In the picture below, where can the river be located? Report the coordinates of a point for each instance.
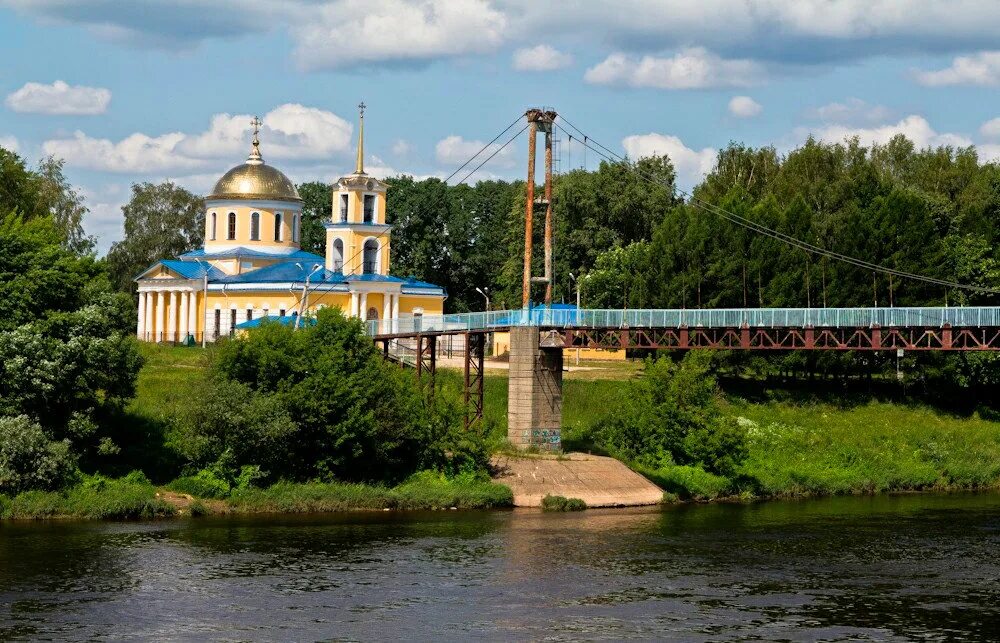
(891, 567)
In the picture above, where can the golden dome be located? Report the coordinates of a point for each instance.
(255, 181)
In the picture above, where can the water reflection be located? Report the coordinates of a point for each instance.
(888, 567)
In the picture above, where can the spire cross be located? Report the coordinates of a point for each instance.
(361, 108)
(256, 123)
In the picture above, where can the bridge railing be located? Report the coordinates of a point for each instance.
(929, 317)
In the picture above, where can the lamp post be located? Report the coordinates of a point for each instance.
(483, 291)
(576, 282)
(303, 303)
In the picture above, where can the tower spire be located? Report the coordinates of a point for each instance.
(360, 168)
(255, 158)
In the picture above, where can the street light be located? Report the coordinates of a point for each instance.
(303, 302)
(482, 291)
(576, 282)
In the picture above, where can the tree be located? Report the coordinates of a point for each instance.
(64, 203)
(316, 208)
(161, 221)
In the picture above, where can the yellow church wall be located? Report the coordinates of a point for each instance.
(243, 226)
(429, 305)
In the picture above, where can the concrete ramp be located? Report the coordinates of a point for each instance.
(597, 480)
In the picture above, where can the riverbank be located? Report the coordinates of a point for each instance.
(135, 497)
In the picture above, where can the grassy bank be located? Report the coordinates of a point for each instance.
(813, 444)
(130, 497)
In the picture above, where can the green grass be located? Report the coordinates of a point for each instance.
(560, 503)
(127, 498)
(825, 449)
(425, 490)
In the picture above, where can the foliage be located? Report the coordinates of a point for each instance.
(64, 204)
(162, 220)
(560, 503)
(29, 459)
(321, 403)
(67, 354)
(129, 498)
(317, 207)
(426, 490)
(672, 416)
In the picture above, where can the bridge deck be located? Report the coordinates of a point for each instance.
(929, 328)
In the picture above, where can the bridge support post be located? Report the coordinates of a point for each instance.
(534, 390)
(475, 350)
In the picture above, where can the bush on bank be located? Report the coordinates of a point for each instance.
(319, 403)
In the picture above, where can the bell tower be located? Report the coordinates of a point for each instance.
(357, 237)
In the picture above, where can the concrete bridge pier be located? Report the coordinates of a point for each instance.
(534, 389)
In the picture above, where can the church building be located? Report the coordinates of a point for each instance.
(251, 265)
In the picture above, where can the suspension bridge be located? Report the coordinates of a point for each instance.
(539, 335)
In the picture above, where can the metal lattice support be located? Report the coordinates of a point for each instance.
(475, 351)
(426, 355)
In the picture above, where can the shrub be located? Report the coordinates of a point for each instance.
(204, 484)
(672, 416)
(560, 503)
(127, 498)
(29, 460)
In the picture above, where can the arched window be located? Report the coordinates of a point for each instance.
(255, 226)
(231, 232)
(370, 262)
(211, 230)
(338, 255)
(369, 208)
(343, 208)
(295, 227)
(277, 226)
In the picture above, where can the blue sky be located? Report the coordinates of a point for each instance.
(154, 90)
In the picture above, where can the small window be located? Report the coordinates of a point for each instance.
(338, 255)
(218, 322)
(264, 312)
(232, 321)
(277, 227)
(211, 229)
(369, 208)
(370, 261)
(231, 232)
(281, 313)
(295, 228)
(255, 226)
(249, 314)
(343, 208)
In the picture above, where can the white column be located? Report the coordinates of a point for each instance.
(160, 310)
(172, 324)
(147, 327)
(387, 305)
(354, 304)
(395, 313)
(363, 313)
(184, 317)
(193, 312)
(140, 324)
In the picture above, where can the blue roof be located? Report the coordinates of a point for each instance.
(295, 272)
(251, 253)
(188, 269)
(284, 320)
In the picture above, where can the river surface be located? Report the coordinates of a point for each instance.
(923, 567)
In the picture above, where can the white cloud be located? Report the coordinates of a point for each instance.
(916, 128)
(851, 111)
(991, 128)
(744, 107)
(455, 150)
(9, 143)
(694, 68)
(691, 165)
(359, 32)
(289, 131)
(981, 69)
(541, 58)
(401, 147)
(59, 98)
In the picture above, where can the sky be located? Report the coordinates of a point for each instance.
(151, 90)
